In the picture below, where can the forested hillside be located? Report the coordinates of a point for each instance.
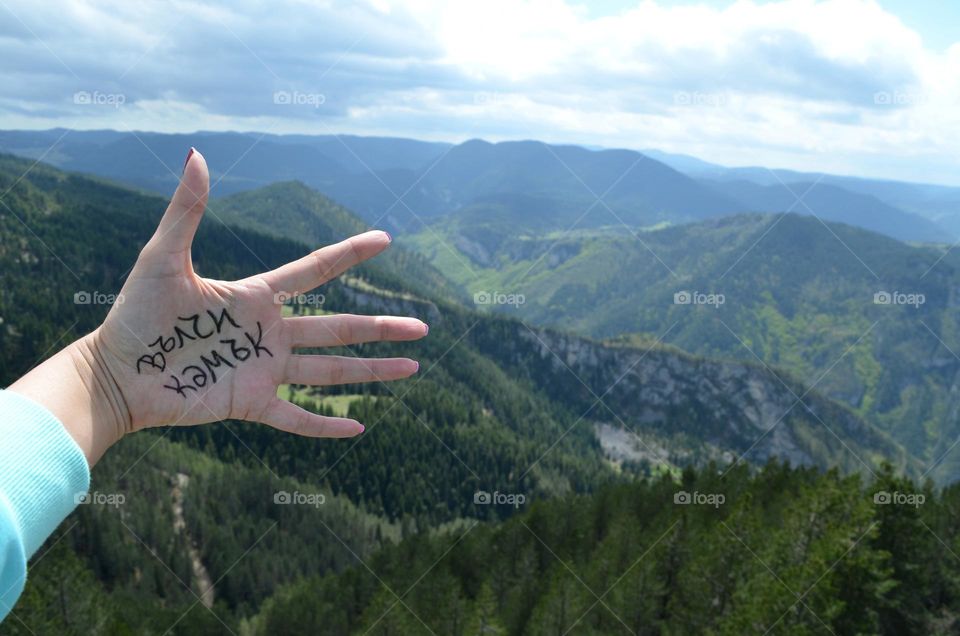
(294, 211)
(785, 552)
(800, 295)
(80, 236)
(499, 407)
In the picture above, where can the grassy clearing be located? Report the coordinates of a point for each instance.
(340, 404)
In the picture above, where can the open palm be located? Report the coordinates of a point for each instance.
(189, 350)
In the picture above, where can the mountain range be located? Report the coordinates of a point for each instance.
(401, 183)
(870, 321)
(937, 203)
(663, 336)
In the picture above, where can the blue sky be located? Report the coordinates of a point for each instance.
(935, 20)
(865, 87)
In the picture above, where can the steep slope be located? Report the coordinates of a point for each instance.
(499, 381)
(499, 407)
(64, 235)
(128, 561)
(292, 210)
(798, 295)
(632, 560)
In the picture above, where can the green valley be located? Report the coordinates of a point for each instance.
(798, 294)
(501, 408)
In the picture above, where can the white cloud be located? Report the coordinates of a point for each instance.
(840, 85)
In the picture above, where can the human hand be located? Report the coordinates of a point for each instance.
(181, 350)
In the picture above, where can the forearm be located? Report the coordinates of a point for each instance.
(76, 386)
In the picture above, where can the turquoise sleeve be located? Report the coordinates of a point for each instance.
(43, 473)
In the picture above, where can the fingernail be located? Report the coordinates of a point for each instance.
(418, 368)
(362, 428)
(187, 160)
(426, 329)
(389, 238)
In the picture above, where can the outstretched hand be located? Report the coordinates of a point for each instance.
(178, 349)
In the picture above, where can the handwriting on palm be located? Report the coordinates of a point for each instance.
(190, 350)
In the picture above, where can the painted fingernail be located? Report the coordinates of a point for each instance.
(187, 160)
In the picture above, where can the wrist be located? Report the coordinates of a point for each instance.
(79, 388)
(109, 405)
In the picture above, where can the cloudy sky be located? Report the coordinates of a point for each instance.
(848, 86)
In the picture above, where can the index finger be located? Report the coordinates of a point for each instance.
(326, 263)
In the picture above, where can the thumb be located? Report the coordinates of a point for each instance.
(180, 221)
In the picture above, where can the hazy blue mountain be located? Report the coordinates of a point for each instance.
(152, 161)
(937, 203)
(239, 161)
(567, 180)
(395, 182)
(833, 203)
(686, 164)
(360, 154)
(400, 183)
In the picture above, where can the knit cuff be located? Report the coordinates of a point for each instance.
(43, 473)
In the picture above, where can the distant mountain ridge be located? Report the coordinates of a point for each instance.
(833, 203)
(401, 183)
(937, 203)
